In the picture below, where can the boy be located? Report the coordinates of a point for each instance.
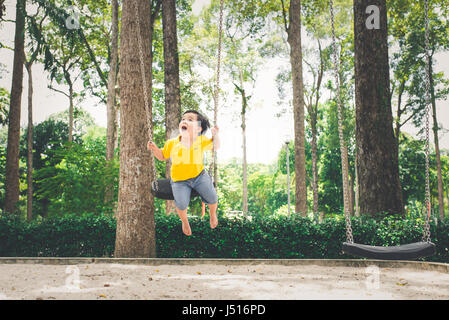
(187, 170)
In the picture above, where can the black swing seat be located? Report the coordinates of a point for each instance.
(411, 251)
(164, 190)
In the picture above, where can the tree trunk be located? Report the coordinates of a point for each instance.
(111, 101)
(171, 76)
(314, 163)
(70, 108)
(245, 161)
(436, 142)
(377, 152)
(30, 144)
(135, 234)
(12, 151)
(356, 177)
(294, 39)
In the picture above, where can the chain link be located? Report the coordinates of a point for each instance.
(426, 231)
(349, 235)
(217, 83)
(145, 89)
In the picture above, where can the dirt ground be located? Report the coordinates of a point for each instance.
(217, 282)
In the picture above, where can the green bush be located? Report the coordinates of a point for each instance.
(255, 237)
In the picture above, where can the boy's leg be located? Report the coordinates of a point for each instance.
(213, 214)
(185, 221)
(205, 188)
(181, 193)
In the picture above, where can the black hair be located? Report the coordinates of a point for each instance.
(202, 119)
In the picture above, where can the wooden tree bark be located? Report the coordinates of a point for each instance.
(377, 152)
(135, 235)
(437, 143)
(294, 39)
(12, 151)
(312, 109)
(241, 90)
(171, 74)
(30, 143)
(70, 84)
(111, 112)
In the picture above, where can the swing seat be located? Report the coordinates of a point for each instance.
(411, 251)
(164, 190)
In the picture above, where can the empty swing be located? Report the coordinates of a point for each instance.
(411, 251)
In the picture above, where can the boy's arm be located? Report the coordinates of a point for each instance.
(215, 137)
(158, 154)
(156, 151)
(216, 141)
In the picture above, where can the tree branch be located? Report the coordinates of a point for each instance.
(285, 16)
(57, 90)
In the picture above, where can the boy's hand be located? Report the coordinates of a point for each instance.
(214, 131)
(151, 146)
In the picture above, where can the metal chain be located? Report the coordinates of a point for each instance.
(426, 231)
(349, 236)
(217, 83)
(145, 89)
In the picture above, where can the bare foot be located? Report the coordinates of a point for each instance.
(186, 228)
(213, 220)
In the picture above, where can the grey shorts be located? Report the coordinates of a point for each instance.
(201, 183)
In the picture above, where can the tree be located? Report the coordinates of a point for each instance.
(171, 78)
(136, 234)
(408, 21)
(294, 39)
(111, 113)
(377, 153)
(12, 153)
(32, 26)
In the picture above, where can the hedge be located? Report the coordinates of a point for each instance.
(257, 237)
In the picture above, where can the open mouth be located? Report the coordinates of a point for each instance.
(184, 127)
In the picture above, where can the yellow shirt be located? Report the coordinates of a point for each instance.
(187, 162)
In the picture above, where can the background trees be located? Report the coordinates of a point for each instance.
(75, 178)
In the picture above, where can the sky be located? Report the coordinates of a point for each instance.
(266, 134)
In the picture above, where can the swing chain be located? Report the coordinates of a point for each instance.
(349, 236)
(145, 89)
(217, 80)
(426, 231)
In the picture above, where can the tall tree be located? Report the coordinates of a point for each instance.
(12, 153)
(135, 233)
(111, 99)
(377, 152)
(293, 29)
(312, 103)
(33, 27)
(171, 78)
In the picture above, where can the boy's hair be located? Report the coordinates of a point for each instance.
(202, 119)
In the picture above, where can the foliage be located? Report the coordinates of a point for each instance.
(253, 237)
(4, 106)
(76, 183)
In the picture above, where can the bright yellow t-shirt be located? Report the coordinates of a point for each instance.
(187, 162)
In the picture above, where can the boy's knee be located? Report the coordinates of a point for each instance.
(181, 207)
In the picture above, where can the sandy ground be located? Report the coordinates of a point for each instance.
(217, 282)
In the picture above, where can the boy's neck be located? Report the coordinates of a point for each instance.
(187, 138)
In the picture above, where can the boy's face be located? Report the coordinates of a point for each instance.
(189, 124)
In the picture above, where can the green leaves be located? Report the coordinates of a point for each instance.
(93, 235)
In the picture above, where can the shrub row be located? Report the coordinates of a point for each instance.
(257, 238)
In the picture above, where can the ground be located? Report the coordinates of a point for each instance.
(102, 281)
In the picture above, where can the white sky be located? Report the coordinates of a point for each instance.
(265, 133)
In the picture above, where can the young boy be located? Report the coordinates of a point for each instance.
(187, 169)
